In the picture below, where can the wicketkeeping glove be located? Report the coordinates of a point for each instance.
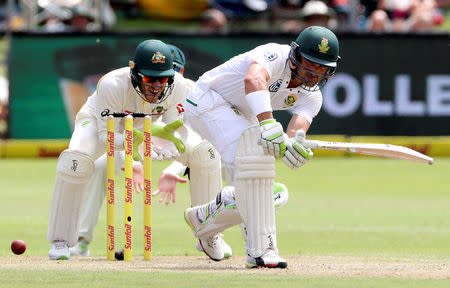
(166, 132)
(273, 139)
(163, 149)
(138, 137)
(297, 154)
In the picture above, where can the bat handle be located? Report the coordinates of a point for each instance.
(300, 137)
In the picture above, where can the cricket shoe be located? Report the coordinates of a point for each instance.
(81, 248)
(227, 251)
(269, 259)
(59, 250)
(213, 246)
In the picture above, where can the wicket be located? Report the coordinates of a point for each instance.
(128, 195)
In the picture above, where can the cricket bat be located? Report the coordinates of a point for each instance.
(374, 149)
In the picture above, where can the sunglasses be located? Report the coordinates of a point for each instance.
(162, 80)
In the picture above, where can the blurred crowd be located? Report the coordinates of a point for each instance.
(227, 15)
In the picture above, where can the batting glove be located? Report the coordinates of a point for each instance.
(273, 139)
(297, 154)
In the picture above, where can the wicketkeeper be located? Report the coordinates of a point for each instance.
(149, 85)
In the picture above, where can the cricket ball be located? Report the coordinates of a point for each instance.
(18, 247)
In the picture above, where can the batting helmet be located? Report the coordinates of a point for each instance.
(318, 45)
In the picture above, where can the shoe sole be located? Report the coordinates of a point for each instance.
(281, 265)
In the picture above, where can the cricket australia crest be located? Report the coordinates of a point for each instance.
(158, 57)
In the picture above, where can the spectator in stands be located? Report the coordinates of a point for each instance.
(314, 13)
(317, 13)
(82, 15)
(213, 20)
(403, 16)
(12, 14)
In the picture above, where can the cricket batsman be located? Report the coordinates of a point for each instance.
(231, 106)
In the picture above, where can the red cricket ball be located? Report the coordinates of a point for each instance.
(18, 247)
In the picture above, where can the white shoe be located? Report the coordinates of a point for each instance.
(269, 259)
(213, 246)
(81, 248)
(227, 251)
(59, 250)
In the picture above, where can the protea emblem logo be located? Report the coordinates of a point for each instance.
(158, 57)
(159, 109)
(323, 46)
(290, 100)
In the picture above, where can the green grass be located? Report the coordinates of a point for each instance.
(355, 207)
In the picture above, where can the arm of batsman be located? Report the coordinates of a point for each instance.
(273, 139)
(167, 132)
(297, 154)
(163, 149)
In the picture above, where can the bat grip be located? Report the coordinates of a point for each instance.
(311, 144)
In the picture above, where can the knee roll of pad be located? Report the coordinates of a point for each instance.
(75, 167)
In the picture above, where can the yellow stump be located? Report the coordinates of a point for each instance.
(128, 255)
(147, 188)
(110, 240)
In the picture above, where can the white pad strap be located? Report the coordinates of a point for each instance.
(254, 178)
(205, 173)
(73, 171)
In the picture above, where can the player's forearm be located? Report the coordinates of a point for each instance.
(175, 168)
(118, 139)
(297, 122)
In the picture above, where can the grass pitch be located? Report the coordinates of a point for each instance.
(361, 218)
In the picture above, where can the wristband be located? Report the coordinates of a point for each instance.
(259, 101)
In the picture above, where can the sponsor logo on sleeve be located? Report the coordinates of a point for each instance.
(180, 108)
(270, 56)
(275, 85)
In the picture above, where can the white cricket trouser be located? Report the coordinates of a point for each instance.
(216, 121)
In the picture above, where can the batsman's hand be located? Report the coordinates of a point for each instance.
(273, 139)
(163, 149)
(297, 154)
(167, 186)
(167, 132)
